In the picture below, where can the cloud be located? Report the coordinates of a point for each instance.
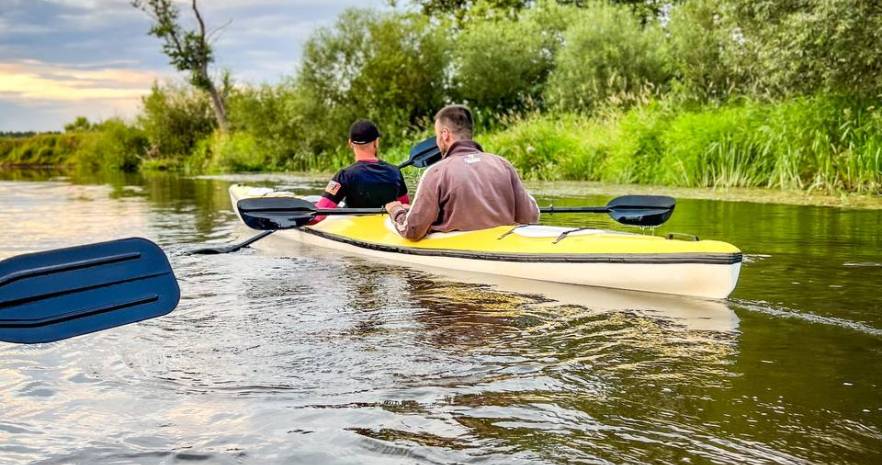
(13, 28)
(52, 115)
(63, 58)
(40, 96)
(31, 80)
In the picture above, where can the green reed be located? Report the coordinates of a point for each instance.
(819, 143)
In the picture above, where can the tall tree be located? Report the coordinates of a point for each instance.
(188, 50)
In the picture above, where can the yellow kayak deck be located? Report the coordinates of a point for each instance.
(529, 242)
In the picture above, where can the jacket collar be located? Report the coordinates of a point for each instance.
(461, 147)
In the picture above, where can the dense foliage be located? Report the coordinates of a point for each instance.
(797, 47)
(608, 58)
(175, 119)
(386, 67)
(502, 67)
(112, 144)
(764, 93)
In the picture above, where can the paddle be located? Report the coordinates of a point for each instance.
(273, 213)
(421, 155)
(634, 210)
(58, 294)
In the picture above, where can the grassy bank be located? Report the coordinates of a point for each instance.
(38, 150)
(112, 144)
(819, 143)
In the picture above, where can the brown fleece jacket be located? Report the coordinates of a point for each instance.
(467, 190)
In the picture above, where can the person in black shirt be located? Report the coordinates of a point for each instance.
(369, 182)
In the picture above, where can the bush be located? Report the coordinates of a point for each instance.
(388, 67)
(501, 67)
(174, 119)
(564, 147)
(826, 142)
(810, 46)
(703, 52)
(719, 147)
(238, 151)
(637, 148)
(823, 142)
(7, 146)
(81, 123)
(281, 116)
(111, 145)
(607, 58)
(39, 149)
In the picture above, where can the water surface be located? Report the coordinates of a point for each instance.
(308, 356)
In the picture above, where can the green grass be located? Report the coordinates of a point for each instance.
(820, 143)
(40, 149)
(113, 146)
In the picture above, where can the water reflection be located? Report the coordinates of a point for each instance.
(521, 366)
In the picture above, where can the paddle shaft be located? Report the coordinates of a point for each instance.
(215, 250)
(374, 211)
(553, 209)
(377, 211)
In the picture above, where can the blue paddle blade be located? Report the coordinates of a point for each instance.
(424, 154)
(58, 294)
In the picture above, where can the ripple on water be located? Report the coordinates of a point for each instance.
(321, 358)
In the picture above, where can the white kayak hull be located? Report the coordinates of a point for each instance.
(699, 280)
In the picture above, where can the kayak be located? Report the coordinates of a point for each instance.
(567, 255)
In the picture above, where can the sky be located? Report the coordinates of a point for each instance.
(64, 58)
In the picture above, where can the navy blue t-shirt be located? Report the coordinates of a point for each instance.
(366, 184)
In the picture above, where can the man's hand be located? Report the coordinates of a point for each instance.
(393, 207)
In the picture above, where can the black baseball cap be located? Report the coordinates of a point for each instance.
(363, 132)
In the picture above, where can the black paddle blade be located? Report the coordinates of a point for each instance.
(641, 210)
(423, 154)
(54, 295)
(271, 213)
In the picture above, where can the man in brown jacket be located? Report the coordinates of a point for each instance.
(467, 190)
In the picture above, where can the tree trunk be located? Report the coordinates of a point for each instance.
(217, 102)
(220, 110)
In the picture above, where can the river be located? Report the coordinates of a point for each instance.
(320, 358)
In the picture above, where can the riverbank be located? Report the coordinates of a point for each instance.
(547, 189)
(848, 200)
(823, 144)
(550, 190)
